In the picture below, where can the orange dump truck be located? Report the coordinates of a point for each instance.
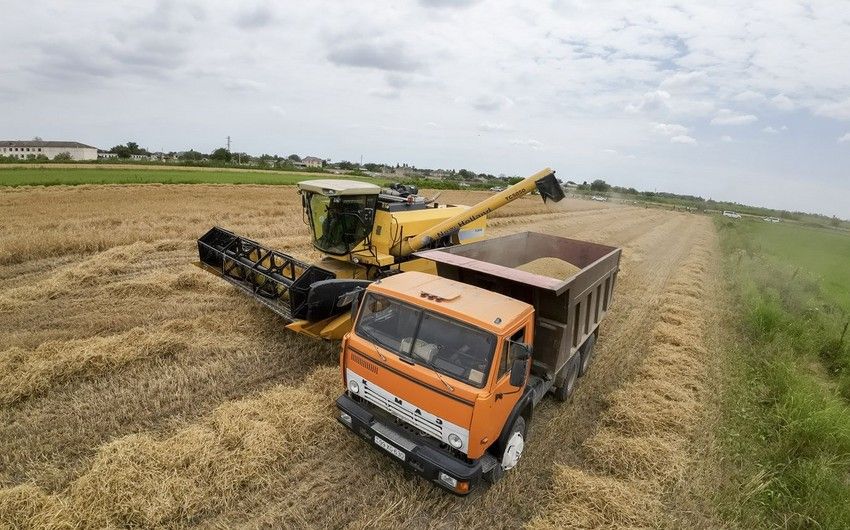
(443, 372)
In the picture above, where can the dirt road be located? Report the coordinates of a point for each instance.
(106, 331)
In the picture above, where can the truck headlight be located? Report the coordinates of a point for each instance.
(455, 441)
(354, 387)
(447, 480)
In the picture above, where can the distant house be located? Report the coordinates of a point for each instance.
(312, 161)
(101, 154)
(140, 157)
(24, 149)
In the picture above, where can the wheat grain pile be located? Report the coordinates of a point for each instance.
(137, 390)
(551, 267)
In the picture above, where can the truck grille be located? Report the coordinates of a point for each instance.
(428, 427)
(407, 413)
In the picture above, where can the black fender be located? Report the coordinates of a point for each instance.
(325, 298)
(524, 407)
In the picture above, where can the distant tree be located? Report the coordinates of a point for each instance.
(345, 164)
(121, 150)
(191, 155)
(241, 158)
(37, 139)
(835, 221)
(130, 148)
(63, 157)
(294, 158)
(465, 174)
(221, 154)
(372, 167)
(599, 185)
(513, 180)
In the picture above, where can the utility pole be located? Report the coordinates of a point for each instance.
(228, 143)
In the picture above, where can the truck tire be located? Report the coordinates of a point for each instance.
(587, 354)
(511, 454)
(563, 392)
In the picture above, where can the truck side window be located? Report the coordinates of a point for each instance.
(509, 353)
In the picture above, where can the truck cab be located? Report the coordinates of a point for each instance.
(434, 370)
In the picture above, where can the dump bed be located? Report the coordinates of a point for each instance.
(567, 310)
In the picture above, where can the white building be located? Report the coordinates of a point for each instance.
(24, 149)
(313, 161)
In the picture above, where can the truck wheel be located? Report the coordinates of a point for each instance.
(587, 354)
(511, 454)
(563, 392)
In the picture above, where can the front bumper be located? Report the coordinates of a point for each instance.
(409, 449)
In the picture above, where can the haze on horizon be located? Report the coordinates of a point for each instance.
(748, 102)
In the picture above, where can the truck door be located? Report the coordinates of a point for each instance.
(505, 396)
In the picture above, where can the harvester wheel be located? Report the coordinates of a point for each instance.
(563, 392)
(510, 454)
(587, 354)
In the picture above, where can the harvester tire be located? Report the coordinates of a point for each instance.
(563, 392)
(587, 354)
(510, 454)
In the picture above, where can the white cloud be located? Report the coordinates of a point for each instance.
(490, 103)
(687, 81)
(650, 101)
(610, 151)
(488, 126)
(749, 96)
(528, 142)
(277, 109)
(770, 130)
(844, 139)
(782, 102)
(245, 85)
(669, 129)
(726, 138)
(385, 93)
(728, 117)
(683, 139)
(839, 110)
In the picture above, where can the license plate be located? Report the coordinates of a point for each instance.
(391, 449)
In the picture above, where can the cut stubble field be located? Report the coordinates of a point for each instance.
(137, 390)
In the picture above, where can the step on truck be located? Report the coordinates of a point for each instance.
(443, 372)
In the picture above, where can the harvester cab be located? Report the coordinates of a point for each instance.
(365, 233)
(340, 213)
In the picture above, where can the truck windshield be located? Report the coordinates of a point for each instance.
(339, 223)
(448, 346)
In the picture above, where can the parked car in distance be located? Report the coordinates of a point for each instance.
(598, 198)
(730, 214)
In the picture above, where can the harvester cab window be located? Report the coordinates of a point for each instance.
(511, 351)
(340, 223)
(445, 345)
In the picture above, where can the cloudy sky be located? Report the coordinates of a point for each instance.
(746, 102)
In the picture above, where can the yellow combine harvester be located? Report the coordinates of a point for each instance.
(366, 233)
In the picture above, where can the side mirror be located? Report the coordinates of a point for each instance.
(355, 303)
(518, 370)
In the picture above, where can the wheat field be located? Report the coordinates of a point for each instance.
(137, 390)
